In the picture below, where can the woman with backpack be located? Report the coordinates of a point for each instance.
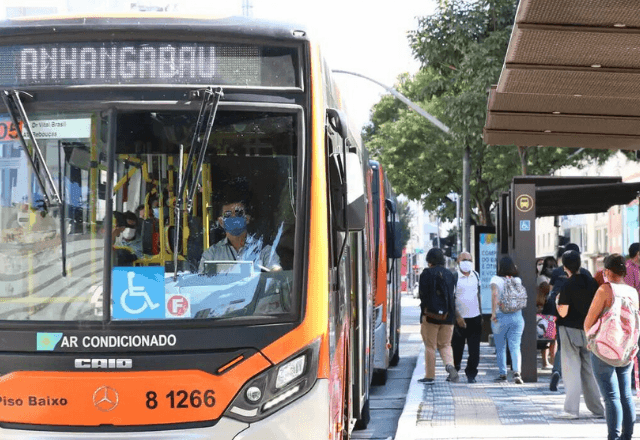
(613, 316)
(508, 298)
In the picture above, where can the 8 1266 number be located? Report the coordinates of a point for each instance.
(182, 399)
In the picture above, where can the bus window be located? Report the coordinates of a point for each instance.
(53, 253)
(235, 246)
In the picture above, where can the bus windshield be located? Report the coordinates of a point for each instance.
(235, 248)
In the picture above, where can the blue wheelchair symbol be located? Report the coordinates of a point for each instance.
(525, 225)
(138, 292)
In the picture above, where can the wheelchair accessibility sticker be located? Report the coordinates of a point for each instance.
(138, 293)
(525, 225)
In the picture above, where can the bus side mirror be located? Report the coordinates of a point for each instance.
(394, 240)
(356, 204)
(338, 122)
(394, 231)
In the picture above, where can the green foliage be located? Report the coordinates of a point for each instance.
(404, 215)
(461, 48)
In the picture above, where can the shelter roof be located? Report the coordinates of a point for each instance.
(571, 77)
(579, 195)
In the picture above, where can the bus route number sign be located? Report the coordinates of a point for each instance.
(8, 131)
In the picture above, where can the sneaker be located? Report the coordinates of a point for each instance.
(453, 374)
(501, 378)
(471, 379)
(517, 379)
(427, 381)
(555, 378)
(566, 416)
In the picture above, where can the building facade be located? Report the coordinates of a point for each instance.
(600, 234)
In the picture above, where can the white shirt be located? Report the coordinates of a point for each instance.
(467, 295)
(253, 250)
(499, 282)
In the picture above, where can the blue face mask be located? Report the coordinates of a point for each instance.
(235, 225)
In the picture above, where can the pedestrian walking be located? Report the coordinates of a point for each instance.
(507, 323)
(468, 326)
(437, 305)
(574, 301)
(557, 281)
(613, 376)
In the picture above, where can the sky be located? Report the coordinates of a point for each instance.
(365, 37)
(369, 38)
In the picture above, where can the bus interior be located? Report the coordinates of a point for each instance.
(252, 154)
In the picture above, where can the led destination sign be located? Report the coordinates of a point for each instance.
(146, 63)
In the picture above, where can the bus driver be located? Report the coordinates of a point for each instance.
(238, 245)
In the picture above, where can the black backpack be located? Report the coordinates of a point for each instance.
(437, 299)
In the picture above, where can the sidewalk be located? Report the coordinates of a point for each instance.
(489, 410)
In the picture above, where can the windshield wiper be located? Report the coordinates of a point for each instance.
(199, 142)
(16, 110)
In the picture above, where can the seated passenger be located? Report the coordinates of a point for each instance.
(238, 244)
(125, 235)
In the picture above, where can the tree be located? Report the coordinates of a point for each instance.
(404, 216)
(461, 49)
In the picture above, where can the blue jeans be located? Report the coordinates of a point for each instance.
(508, 330)
(615, 387)
(557, 363)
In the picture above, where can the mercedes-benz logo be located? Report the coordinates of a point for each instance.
(105, 398)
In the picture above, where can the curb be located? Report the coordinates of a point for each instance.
(408, 421)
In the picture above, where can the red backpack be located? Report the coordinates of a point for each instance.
(614, 336)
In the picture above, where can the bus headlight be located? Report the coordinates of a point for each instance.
(277, 386)
(254, 394)
(290, 371)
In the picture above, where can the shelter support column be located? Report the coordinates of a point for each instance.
(524, 256)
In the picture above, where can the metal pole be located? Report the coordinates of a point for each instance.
(459, 234)
(402, 98)
(466, 180)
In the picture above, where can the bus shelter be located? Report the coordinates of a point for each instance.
(531, 197)
(571, 78)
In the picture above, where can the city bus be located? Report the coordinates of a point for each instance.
(185, 231)
(385, 275)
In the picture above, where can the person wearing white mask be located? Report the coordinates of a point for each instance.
(468, 326)
(126, 235)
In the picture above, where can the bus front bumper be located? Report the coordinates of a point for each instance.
(305, 418)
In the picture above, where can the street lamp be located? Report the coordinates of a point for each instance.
(466, 168)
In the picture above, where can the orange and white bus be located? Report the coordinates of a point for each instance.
(184, 234)
(385, 275)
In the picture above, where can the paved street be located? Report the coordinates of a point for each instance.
(387, 402)
(484, 410)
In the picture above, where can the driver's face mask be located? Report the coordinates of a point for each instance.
(235, 225)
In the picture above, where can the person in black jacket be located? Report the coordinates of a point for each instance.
(437, 305)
